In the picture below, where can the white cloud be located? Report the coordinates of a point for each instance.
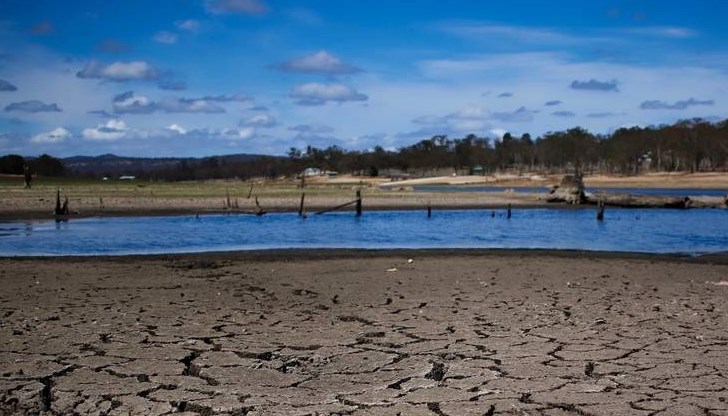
(119, 71)
(314, 93)
(128, 103)
(56, 135)
(320, 62)
(189, 105)
(262, 120)
(165, 37)
(239, 134)
(114, 129)
(176, 128)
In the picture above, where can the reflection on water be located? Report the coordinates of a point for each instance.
(633, 230)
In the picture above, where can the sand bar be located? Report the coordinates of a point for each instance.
(365, 333)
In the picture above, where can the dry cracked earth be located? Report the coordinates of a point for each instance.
(357, 334)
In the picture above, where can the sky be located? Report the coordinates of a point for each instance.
(211, 77)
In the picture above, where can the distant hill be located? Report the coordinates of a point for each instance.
(109, 164)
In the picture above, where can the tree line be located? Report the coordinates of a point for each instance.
(686, 146)
(44, 165)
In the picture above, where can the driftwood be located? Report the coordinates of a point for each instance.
(639, 201)
(569, 190)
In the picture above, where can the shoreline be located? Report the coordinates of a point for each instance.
(316, 254)
(418, 205)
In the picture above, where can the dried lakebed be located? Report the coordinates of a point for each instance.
(513, 333)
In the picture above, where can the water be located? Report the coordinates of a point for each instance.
(627, 230)
(691, 192)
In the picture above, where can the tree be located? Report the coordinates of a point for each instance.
(47, 165)
(12, 164)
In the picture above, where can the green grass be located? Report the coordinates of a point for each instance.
(79, 188)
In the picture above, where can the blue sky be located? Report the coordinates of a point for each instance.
(205, 77)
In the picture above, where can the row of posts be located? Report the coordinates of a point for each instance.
(357, 201)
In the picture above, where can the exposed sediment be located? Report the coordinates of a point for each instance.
(520, 334)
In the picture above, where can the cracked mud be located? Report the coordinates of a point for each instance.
(472, 335)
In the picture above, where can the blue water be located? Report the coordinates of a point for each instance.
(629, 230)
(692, 192)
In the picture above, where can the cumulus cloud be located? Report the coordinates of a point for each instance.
(165, 37)
(189, 105)
(56, 135)
(320, 62)
(176, 128)
(564, 113)
(236, 6)
(128, 103)
(239, 134)
(119, 71)
(6, 86)
(521, 115)
(189, 25)
(594, 85)
(32, 106)
(111, 130)
(552, 103)
(262, 120)
(314, 93)
(677, 105)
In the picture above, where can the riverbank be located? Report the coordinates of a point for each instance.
(139, 198)
(364, 333)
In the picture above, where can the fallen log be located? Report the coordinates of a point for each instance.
(639, 201)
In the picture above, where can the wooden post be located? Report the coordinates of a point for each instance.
(300, 207)
(57, 211)
(358, 202)
(250, 191)
(429, 209)
(600, 210)
(27, 176)
(509, 211)
(228, 205)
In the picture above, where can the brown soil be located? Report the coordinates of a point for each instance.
(364, 333)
